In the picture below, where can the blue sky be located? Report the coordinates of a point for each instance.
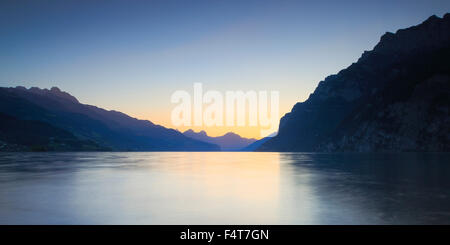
(131, 55)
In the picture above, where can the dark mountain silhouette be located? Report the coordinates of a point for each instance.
(395, 98)
(227, 142)
(26, 135)
(109, 129)
(255, 145)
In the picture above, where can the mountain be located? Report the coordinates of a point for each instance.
(255, 145)
(108, 129)
(396, 97)
(227, 142)
(27, 135)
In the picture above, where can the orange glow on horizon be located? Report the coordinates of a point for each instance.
(213, 131)
(246, 132)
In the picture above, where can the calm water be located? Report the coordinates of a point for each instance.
(224, 188)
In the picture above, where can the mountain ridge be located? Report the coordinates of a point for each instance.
(111, 129)
(399, 62)
(227, 142)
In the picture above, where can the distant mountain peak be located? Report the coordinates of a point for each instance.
(231, 133)
(54, 91)
(190, 131)
(227, 142)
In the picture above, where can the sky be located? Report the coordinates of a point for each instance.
(130, 56)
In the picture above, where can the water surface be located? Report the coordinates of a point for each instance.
(224, 188)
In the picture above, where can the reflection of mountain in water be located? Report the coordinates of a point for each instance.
(224, 187)
(372, 188)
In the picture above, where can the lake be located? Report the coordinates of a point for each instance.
(224, 188)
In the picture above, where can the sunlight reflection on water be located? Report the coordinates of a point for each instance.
(224, 188)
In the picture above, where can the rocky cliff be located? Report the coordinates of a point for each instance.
(394, 98)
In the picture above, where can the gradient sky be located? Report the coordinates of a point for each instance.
(131, 56)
